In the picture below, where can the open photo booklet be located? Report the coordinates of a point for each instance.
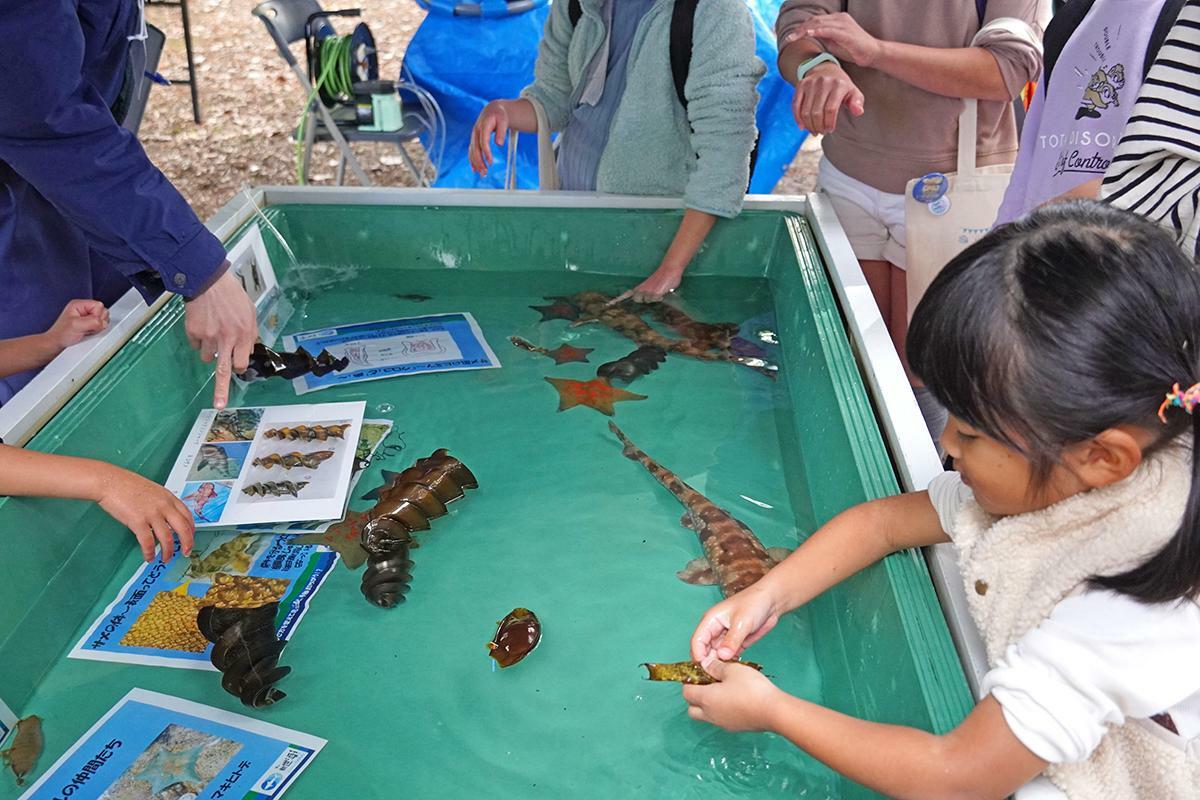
(268, 464)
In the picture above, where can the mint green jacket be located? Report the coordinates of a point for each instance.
(654, 146)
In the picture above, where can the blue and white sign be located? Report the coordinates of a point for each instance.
(190, 749)
(388, 348)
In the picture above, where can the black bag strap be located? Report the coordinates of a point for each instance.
(1166, 20)
(683, 18)
(1062, 25)
(683, 23)
(1066, 20)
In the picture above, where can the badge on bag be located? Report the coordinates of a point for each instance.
(931, 190)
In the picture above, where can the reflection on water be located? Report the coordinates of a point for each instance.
(721, 764)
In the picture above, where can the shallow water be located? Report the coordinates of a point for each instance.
(561, 524)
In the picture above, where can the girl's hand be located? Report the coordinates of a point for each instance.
(80, 319)
(493, 122)
(743, 699)
(147, 509)
(844, 38)
(732, 625)
(661, 283)
(820, 96)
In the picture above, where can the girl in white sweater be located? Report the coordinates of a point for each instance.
(1076, 513)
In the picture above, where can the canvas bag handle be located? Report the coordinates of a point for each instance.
(968, 120)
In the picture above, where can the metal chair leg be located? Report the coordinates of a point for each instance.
(420, 176)
(341, 169)
(310, 136)
(191, 61)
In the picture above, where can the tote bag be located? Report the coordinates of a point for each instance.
(945, 213)
(954, 210)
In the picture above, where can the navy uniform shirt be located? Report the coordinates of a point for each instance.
(83, 212)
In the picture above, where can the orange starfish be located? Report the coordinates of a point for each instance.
(596, 393)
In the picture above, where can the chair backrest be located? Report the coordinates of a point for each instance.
(284, 20)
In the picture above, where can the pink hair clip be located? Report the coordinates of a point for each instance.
(1186, 399)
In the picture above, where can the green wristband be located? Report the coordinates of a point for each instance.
(807, 66)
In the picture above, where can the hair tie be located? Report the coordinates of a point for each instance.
(1186, 399)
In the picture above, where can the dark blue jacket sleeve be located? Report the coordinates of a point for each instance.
(57, 133)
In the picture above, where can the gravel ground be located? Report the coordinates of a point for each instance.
(250, 102)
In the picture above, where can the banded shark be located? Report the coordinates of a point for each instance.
(733, 557)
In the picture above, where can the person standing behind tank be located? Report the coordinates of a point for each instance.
(83, 212)
(606, 84)
(884, 82)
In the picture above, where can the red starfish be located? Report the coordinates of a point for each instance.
(565, 353)
(559, 309)
(596, 393)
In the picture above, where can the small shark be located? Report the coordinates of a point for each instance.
(733, 558)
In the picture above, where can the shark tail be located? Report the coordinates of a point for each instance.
(628, 449)
(670, 481)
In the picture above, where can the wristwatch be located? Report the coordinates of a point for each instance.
(807, 66)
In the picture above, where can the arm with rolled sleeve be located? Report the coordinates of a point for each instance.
(722, 95)
(794, 13)
(1016, 48)
(57, 133)
(551, 79)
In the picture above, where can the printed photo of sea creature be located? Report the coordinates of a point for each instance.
(275, 488)
(234, 425)
(369, 437)
(293, 459)
(179, 763)
(220, 462)
(319, 432)
(229, 555)
(206, 499)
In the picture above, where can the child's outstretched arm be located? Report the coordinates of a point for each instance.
(147, 509)
(851, 541)
(981, 758)
(79, 319)
(721, 99)
(690, 235)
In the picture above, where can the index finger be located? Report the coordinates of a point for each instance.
(620, 298)
(222, 375)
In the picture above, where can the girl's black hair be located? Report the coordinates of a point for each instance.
(1048, 331)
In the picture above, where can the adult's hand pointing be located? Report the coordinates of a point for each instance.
(221, 324)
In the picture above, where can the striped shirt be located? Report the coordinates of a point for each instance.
(1155, 171)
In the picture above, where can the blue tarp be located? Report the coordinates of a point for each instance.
(466, 61)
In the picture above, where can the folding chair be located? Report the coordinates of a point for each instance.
(285, 21)
(155, 39)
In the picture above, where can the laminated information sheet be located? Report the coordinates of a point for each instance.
(385, 349)
(271, 464)
(153, 619)
(155, 745)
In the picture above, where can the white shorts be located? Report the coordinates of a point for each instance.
(873, 220)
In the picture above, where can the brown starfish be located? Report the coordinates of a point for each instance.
(562, 354)
(561, 308)
(596, 393)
